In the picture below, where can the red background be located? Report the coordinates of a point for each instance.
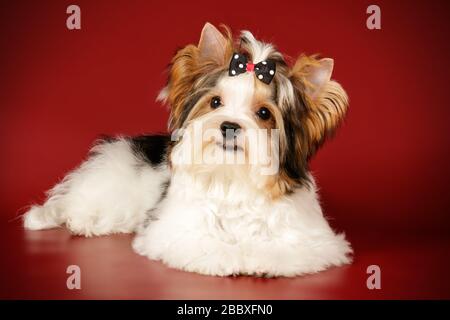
(383, 179)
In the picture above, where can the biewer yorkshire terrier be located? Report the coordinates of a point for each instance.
(228, 191)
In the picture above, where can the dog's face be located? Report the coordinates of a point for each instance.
(260, 127)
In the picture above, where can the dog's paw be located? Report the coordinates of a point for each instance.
(214, 265)
(298, 259)
(209, 258)
(36, 219)
(138, 245)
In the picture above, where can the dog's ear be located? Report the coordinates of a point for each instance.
(213, 45)
(325, 100)
(190, 64)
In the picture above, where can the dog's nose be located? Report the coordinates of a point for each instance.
(231, 127)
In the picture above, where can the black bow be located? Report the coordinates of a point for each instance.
(264, 70)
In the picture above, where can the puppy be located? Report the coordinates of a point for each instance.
(229, 191)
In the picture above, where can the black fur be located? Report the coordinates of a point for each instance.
(295, 161)
(152, 148)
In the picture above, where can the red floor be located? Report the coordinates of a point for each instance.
(34, 266)
(386, 169)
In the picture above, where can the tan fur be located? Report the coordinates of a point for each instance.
(326, 110)
(314, 110)
(187, 68)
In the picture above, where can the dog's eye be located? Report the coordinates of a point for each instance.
(216, 102)
(263, 113)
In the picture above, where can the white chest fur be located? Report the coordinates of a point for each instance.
(228, 228)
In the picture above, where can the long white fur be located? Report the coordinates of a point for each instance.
(214, 221)
(218, 222)
(237, 230)
(109, 193)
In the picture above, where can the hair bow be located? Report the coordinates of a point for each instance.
(264, 70)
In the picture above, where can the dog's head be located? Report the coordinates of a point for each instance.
(241, 100)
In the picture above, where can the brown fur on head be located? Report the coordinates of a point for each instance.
(325, 99)
(189, 67)
(305, 104)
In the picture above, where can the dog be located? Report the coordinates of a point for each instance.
(217, 205)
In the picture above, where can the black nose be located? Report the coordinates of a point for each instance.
(231, 127)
